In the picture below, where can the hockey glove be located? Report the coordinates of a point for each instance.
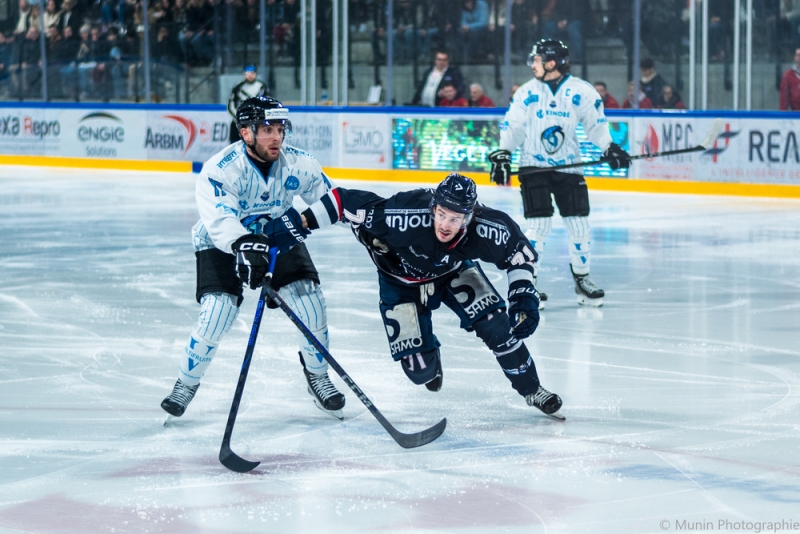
(500, 172)
(523, 308)
(286, 231)
(616, 157)
(252, 259)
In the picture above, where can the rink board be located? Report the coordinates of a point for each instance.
(756, 154)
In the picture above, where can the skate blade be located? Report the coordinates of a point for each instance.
(338, 414)
(168, 419)
(541, 305)
(556, 415)
(594, 303)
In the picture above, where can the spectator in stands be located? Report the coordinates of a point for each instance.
(52, 16)
(609, 102)
(198, 39)
(670, 99)
(90, 52)
(790, 19)
(651, 83)
(644, 101)
(69, 18)
(439, 25)
(720, 27)
(477, 98)
(291, 16)
(111, 69)
(26, 65)
(65, 57)
(566, 23)
(524, 27)
(790, 86)
(450, 97)
(430, 90)
(21, 28)
(52, 48)
(34, 16)
(474, 27)
(5, 63)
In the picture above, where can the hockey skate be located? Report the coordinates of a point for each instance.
(435, 383)
(588, 293)
(548, 403)
(542, 295)
(179, 399)
(326, 397)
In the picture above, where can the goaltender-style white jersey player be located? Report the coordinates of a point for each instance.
(243, 194)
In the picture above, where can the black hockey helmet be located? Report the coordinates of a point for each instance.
(456, 193)
(550, 49)
(262, 110)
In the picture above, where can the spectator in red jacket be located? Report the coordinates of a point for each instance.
(790, 86)
(477, 98)
(609, 102)
(644, 102)
(450, 98)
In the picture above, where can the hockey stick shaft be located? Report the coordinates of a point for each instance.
(227, 457)
(709, 139)
(407, 441)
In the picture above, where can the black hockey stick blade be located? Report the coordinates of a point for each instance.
(407, 441)
(233, 461)
(705, 144)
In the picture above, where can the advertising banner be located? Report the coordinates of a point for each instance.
(191, 136)
(30, 131)
(365, 141)
(314, 133)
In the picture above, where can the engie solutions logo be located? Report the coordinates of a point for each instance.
(105, 131)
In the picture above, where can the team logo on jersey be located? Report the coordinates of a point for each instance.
(292, 183)
(243, 204)
(553, 139)
(576, 100)
(540, 113)
(497, 233)
(265, 196)
(597, 104)
(553, 104)
(530, 99)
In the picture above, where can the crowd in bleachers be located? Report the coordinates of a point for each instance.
(94, 47)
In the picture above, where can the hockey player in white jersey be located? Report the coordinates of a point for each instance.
(542, 119)
(244, 196)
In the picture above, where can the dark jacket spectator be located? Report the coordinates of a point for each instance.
(70, 17)
(477, 98)
(651, 83)
(790, 86)
(67, 49)
(433, 80)
(670, 99)
(609, 102)
(565, 21)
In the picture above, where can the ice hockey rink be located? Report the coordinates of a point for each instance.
(682, 393)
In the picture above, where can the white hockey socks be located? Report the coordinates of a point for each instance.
(537, 232)
(217, 313)
(580, 244)
(306, 300)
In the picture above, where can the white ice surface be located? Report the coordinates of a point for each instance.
(681, 393)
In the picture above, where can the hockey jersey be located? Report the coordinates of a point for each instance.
(398, 233)
(234, 198)
(544, 122)
(244, 90)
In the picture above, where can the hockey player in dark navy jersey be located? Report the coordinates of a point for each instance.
(425, 243)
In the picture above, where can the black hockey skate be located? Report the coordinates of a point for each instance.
(179, 399)
(542, 295)
(435, 384)
(548, 403)
(588, 293)
(326, 397)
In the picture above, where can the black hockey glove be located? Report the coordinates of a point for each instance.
(501, 167)
(252, 259)
(286, 231)
(616, 157)
(523, 308)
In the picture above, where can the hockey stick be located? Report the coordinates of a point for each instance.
(705, 144)
(407, 441)
(227, 457)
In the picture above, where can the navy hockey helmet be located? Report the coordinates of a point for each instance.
(550, 49)
(456, 193)
(262, 110)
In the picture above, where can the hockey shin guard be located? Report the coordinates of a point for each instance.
(511, 353)
(306, 300)
(580, 244)
(537, 232)
(217, 313)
